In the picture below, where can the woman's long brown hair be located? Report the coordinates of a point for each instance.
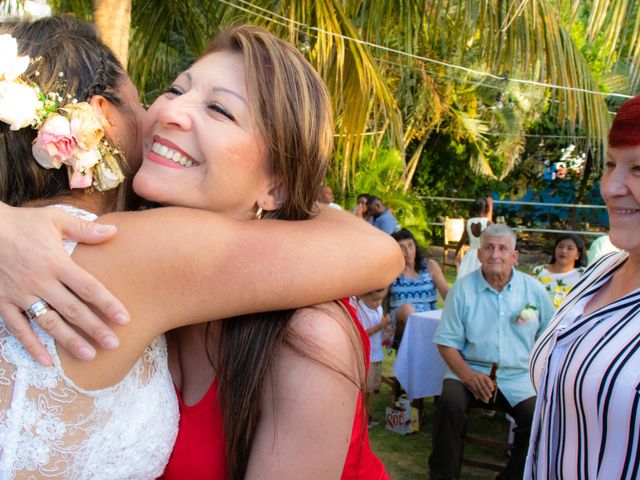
(293, 114)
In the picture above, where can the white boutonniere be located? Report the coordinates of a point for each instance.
(527, 314)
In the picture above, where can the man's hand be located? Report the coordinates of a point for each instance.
(480, 385)
(34, 265)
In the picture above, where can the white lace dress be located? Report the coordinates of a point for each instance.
(51, 428)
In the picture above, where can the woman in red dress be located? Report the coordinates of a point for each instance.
(289, 383)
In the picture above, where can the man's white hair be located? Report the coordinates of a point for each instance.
(499, 230)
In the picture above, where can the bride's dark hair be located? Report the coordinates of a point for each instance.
(67, 58)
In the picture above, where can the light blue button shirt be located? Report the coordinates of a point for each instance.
(483, 325)
(385, 222)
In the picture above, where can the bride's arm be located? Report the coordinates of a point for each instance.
(172, 267)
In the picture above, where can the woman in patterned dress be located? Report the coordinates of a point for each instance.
(565, 268)
(416, 288)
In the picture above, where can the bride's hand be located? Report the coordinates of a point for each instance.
(34, 266)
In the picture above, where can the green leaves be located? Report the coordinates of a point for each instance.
(404, 73)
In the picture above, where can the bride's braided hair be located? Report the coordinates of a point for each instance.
(101, 81)
(67, 58)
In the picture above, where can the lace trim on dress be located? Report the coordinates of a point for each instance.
(51, 428)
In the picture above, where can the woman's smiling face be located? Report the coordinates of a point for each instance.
(566, 253)
(202, 148)
(620, 189)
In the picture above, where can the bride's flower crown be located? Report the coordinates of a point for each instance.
(68, 133)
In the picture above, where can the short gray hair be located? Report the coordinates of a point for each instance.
(499, 230)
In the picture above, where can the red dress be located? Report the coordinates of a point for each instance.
(199, 452)
(361, 463)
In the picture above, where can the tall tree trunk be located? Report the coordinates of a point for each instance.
(113, 20)
(585, 183)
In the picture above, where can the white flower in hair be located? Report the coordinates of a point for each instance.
(19, 105)
(11, 66)
(108, 174)
(85, 126)
(70, 135)
(86, 159)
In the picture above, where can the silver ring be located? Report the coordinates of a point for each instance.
(36, 309)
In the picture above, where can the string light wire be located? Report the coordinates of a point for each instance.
(288, 21)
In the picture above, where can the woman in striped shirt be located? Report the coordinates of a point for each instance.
(586, 366)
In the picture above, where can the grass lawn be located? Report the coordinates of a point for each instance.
(405, 457)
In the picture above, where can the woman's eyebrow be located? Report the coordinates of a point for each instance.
(235, 94)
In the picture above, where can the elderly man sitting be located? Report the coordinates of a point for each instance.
(491, 316)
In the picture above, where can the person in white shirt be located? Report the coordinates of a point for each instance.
(374, 322)
(325, 195)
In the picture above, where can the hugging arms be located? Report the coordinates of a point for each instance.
(313, 261)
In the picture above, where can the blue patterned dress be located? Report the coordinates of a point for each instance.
(419, 292)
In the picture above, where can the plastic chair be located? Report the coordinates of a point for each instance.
(453, 230)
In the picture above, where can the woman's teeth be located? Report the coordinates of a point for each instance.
(170, 154)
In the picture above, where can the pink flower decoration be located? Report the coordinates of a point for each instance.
(77, 179)
(85, 126)
(54, 144)
(85, 159)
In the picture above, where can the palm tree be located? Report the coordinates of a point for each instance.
(113, 20)
(403, 71)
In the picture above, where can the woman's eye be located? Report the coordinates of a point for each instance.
(173, 90)
(216, 107)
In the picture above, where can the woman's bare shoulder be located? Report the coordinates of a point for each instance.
(325, 321)
(326, 327)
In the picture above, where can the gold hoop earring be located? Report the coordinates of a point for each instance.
(259, 213)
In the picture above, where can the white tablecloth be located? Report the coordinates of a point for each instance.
(419, 367)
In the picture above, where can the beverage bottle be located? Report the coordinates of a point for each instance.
(492, 376)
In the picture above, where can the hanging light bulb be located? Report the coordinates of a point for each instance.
(499, 103)
(304, 43)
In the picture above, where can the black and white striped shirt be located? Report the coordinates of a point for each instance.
(586, 369)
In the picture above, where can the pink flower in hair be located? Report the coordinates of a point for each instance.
(80, 168)
(80, 179)
(54, 144)
(85, 125)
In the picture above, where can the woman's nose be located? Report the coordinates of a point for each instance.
(177, 112)
(614, 184)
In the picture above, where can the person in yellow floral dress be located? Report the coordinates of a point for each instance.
(565, 268)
